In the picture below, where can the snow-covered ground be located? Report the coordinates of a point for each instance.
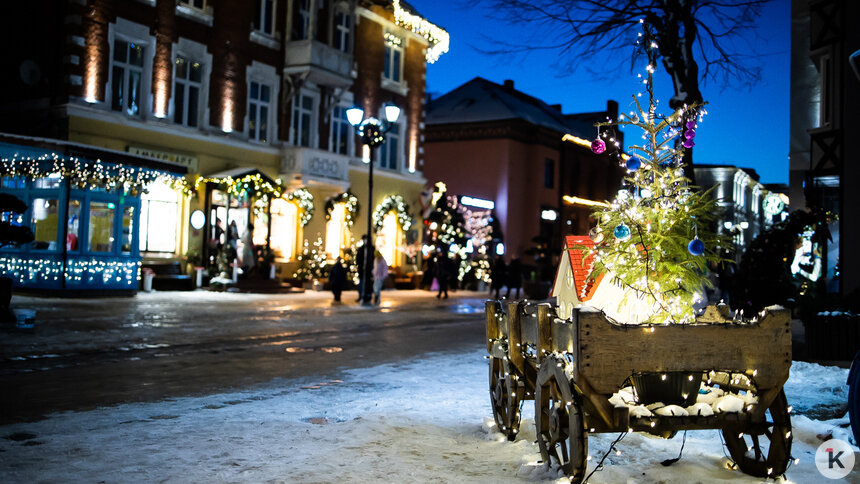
(425, 420)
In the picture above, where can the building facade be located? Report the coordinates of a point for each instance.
(249, 96)
(825, 94)
(492, 142)
(748, 207)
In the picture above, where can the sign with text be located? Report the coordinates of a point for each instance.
(185, 160)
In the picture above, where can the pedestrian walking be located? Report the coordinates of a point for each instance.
(380, 272)
(498, 273)
(233, 235)
(515, 277)
(443, 272)
(337, 279)
(363, 273)
(249, 252)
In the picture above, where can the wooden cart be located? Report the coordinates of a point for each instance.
(570, 368)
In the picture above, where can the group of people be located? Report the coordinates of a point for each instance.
(248, 255)
(378, 273)
(506, 275)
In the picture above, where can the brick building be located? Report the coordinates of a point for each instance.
(495, 143)
(245, 95)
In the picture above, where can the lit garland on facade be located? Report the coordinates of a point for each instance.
(82, 174)
(350, 201)
(303, 198)
(436, 36)
(396, 204)
(253, 185)
(79, 272)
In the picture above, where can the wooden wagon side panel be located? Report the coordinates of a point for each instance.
(609, 353)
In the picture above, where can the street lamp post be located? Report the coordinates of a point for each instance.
(372, 132)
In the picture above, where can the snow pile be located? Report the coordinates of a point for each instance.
(426, 420)
(709, 401)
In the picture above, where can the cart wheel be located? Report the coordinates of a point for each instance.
(505, 397)
(559, 422)
(762, 449)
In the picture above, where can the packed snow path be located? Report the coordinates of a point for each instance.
(424, 420)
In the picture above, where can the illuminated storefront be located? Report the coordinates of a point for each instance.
(84, 207)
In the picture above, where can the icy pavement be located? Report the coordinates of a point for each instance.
(424, 420)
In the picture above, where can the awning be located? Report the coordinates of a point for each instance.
(240, 172)
(69, 149)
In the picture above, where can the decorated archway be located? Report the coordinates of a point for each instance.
(391, 220)
(340, 213)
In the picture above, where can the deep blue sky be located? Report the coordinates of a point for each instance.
(745, 126)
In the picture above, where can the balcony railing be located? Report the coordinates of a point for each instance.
(308, 164)
(325, 65)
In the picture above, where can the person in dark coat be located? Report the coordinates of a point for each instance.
(365, 274)
(515, 276)
(337, 279)
(442, 273)
(498, 273)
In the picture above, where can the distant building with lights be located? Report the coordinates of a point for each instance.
(748, 206)
(248, 97)
(824, 128)
(492, 142)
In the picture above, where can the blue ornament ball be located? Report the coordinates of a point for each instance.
(696, 247)
(633, 163)
(622, 232)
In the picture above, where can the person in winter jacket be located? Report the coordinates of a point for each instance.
(380, 272)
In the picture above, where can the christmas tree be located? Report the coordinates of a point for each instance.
(312, 261)
(656, 238)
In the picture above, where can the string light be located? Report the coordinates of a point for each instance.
(396, 204)
(436, 36)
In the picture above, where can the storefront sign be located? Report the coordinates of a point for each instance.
(184, 160)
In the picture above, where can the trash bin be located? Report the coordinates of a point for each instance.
(148, 274)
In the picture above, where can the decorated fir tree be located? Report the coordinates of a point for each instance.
(656, 239)
(312, 261)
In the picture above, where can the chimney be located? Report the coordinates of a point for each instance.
(557, 107)
(509, 84)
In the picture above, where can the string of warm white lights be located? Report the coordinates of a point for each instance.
(305, 200)
(351, 205)
(396, 204)
(436, 36)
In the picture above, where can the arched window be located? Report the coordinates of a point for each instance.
(285, 228)
(335, 231)
(388, 239)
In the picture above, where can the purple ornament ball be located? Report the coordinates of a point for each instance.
(690, 134)
(691, 124)
(689, 143)
(598, 146)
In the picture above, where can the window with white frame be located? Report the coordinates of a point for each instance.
(259, 100)
(303, 25)
(264, 16)
(187, 78)
(341, 30)
(158, 216)
(341, 131)
(303, 111)
(127, 76)
(389, 151)
(393, 57)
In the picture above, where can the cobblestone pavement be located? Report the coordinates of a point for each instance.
(85, 353)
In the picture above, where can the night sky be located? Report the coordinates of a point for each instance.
(745, 126)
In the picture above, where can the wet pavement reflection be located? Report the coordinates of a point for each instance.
(95, 352)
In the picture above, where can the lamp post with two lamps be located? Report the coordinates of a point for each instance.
(372, 133)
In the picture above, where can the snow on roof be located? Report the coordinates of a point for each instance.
(481, 100)
(573, 245)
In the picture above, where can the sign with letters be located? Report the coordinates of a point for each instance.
(185, 160)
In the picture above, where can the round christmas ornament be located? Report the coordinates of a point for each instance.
(633, 163)
(595, 235)
(689, 143)
(691, 124)
(696, 247)
(622, 232)
(598, 146)
(690, 134)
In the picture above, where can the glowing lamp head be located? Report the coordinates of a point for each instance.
(392, 112)
(354, 115)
